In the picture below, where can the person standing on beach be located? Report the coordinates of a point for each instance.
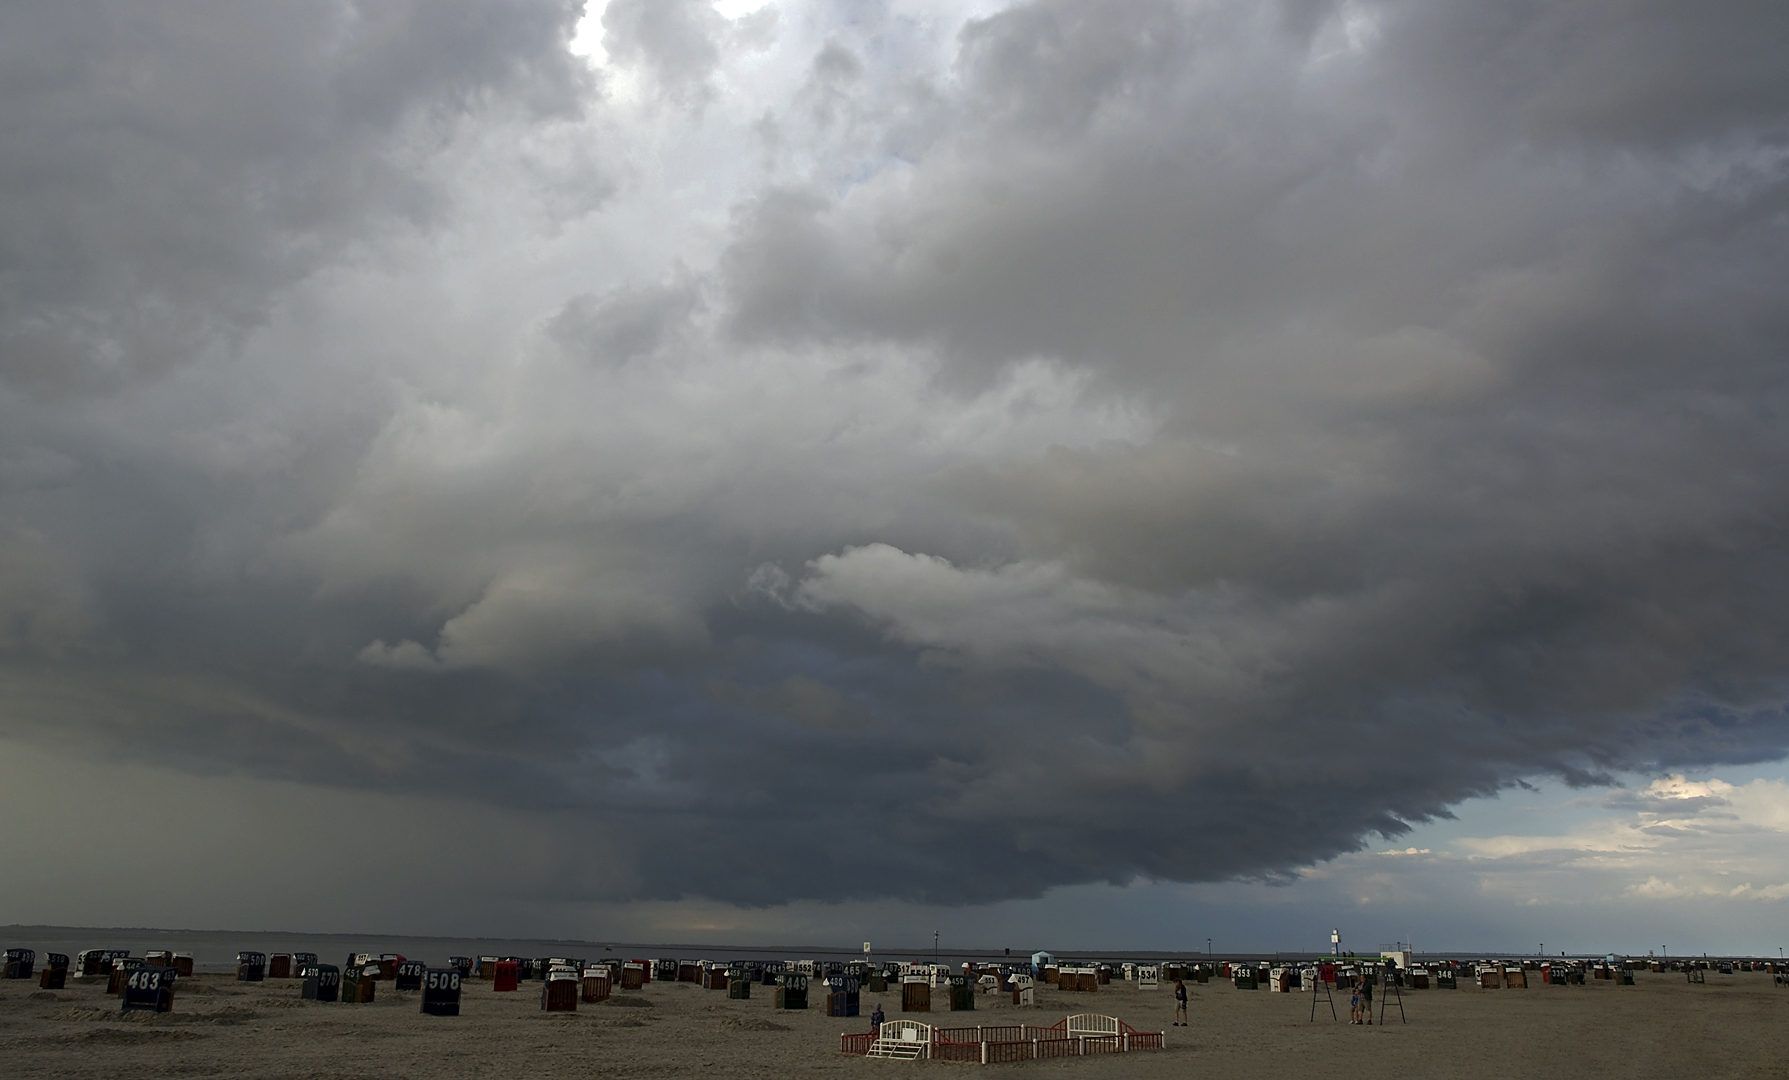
(1354, 1005)
(1366, 1000)
(1180, 1003)
(876, 1017)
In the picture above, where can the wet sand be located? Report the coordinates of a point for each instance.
(1732, 1026)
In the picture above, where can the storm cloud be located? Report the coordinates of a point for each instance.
(889, 450)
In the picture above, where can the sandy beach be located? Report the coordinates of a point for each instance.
(1732, 1026)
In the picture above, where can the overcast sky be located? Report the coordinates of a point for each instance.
(1115, 473)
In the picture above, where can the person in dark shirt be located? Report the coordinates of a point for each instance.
(1180, 1003)
(876, 1017)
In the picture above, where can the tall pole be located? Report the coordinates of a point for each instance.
(934, 946)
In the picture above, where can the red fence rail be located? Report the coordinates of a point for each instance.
(991, 1044)
(997, 1033)
(998, 1053)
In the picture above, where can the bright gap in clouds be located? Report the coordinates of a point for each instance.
(1684, 865)
(587, 37)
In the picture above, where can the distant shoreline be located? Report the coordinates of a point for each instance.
(269, 940)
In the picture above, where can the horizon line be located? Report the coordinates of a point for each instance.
(998, 954)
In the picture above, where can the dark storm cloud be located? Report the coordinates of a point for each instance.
(1163, 440)
(167, 164)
